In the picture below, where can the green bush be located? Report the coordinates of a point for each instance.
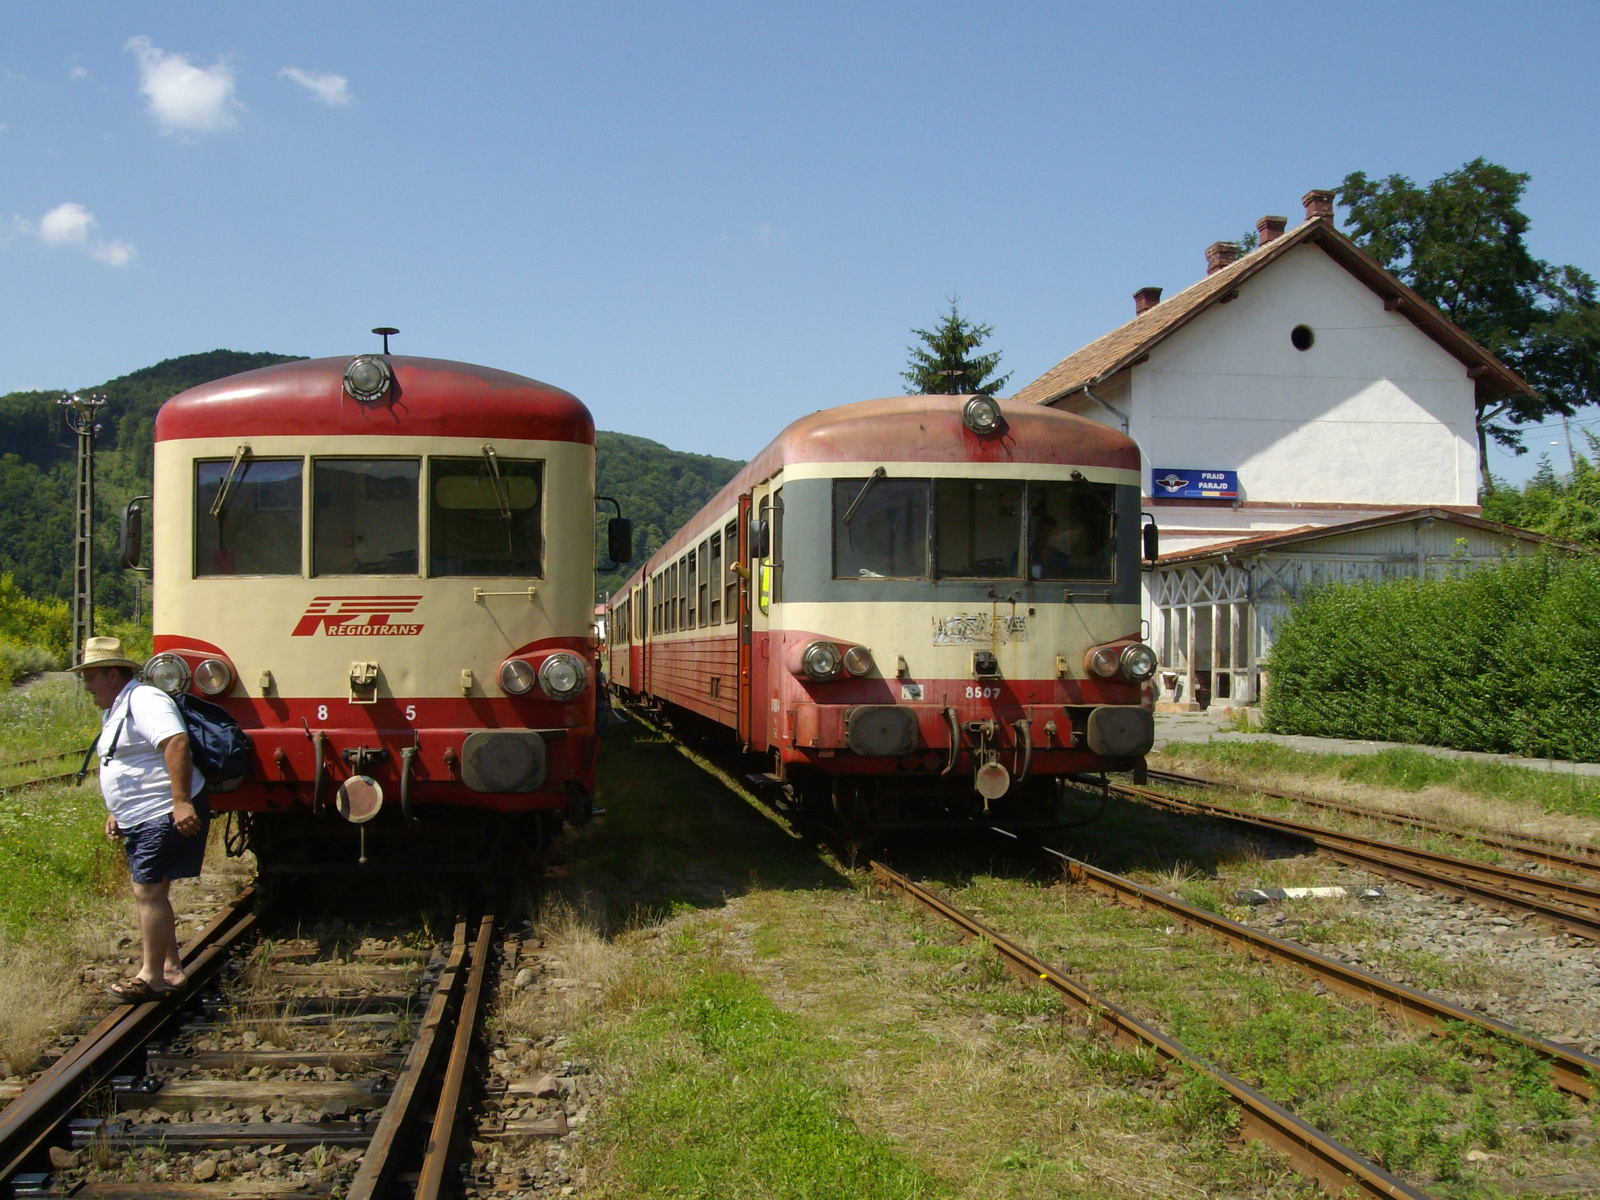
(25, 621)
(1505, 658)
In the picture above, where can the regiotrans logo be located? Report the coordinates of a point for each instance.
(359, 616)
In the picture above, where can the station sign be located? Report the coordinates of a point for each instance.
(1188, 483)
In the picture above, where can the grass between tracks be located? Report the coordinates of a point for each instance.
(769, 1025)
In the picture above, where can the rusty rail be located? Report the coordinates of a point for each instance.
(32, 1118)
(1566, 856)
(1567, 907)
(458, 995)
(1571, 1070)
(1312, 1153)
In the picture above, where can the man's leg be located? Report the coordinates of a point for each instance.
(159, 930)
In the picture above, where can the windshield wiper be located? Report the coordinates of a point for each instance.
(500, 492)
(225, 489)
(850, 512)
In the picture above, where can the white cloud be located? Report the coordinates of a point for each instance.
(333, 90)
(185, 98)
(78, 73)
(71, 224)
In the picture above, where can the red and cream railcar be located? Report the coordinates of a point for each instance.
(923, 608)
(383, 568)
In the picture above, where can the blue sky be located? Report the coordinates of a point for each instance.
(708, 219)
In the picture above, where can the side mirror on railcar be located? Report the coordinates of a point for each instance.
(1152, 540)
(760, 537)
(619, 539)
(130, 538)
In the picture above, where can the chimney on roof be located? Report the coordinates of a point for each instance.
(1145, 299)
(1221, 254)
(1319, 205)
(1270, 229)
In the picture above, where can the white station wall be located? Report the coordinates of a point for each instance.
(1374, 413)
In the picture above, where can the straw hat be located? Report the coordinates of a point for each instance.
(105, 652)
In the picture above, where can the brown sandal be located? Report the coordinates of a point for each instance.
(134, 991)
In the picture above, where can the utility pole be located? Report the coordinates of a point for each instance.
(82, 413)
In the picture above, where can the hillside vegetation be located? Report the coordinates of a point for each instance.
(657, 487)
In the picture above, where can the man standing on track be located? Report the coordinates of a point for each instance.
(156, 801)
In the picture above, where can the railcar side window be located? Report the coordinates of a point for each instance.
(887, 534)
(730, 581)
(714, 578)
(364, 516)
(693, 578)
(1070, 530)
(683, 592)
(703, 584)
(484, 516)
(256, 531)
(980, 528)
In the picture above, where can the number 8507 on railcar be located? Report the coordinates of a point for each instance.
(925, 609)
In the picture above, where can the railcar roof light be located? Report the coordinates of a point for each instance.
(981, 414)
(368, 378)
(1138, 662)
(516, 677)
(563, 676)
(213, 677)
(168, 672)
(821, 661)
(858, 660)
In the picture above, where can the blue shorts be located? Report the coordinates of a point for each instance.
(157, 851)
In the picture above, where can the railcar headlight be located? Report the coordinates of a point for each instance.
(820, 661)
(168, 672)
(1138, 662)
(213, 677)
(367, 378)
(1105, 661)
(562, 676)
(858, 660)
(516, 677)
(981, 414)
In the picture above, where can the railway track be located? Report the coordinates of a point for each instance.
(1570, 1070)
(1567, 906)
(195, 1095)
(1312, 1154)
(1560, 855)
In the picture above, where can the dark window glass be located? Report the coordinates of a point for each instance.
(693, 577)
(980, 528)
(714, 576)
(257, 532)
(478, 525)
(703, 585)
(887, 536)
(364, 516)
(730, 586)
(683, 592)
(1070, 530)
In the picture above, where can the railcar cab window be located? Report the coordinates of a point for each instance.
(484, 516)
(255, 530)
(886, 536)
(977, 529)
(364, 516)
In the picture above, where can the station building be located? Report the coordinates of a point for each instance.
(1302, 415)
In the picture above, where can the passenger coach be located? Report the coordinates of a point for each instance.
(923, 609)
(383, 567)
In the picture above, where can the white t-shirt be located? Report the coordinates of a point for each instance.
(134, 780)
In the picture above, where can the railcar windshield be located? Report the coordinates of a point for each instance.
(485, 516)
(364, 516)
(973, 529)
(256, 529)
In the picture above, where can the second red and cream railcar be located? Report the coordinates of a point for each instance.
(923, 609)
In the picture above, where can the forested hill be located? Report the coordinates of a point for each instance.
(658, 488)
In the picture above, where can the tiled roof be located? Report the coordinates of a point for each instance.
(1125, 345)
